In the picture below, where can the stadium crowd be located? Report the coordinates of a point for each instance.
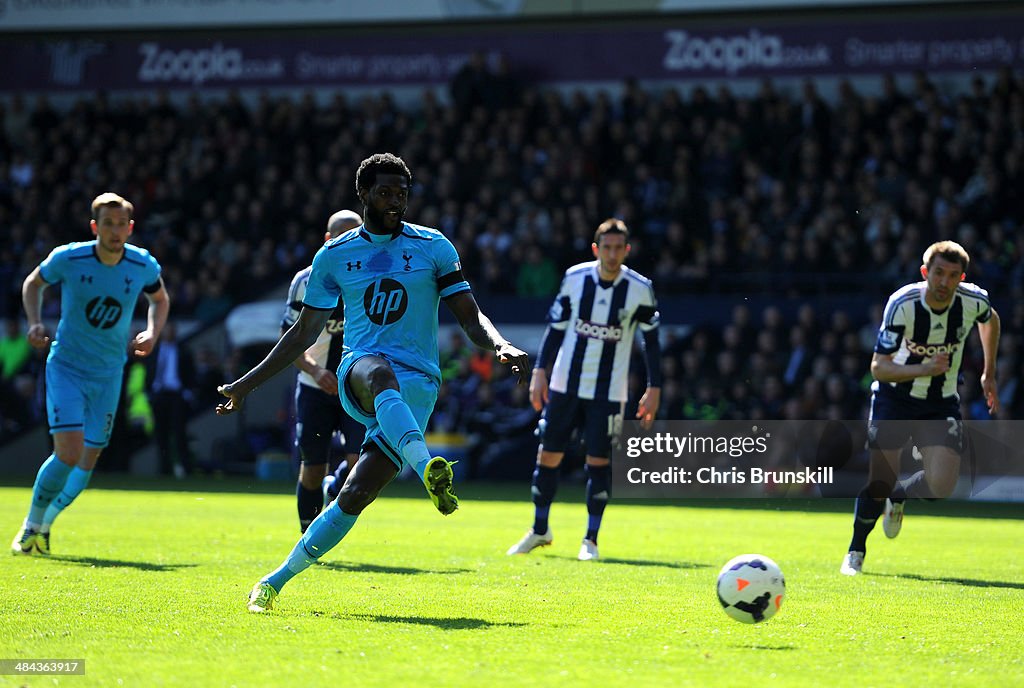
(777, 193)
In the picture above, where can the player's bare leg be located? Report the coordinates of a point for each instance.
(375, 386)
(938, 478)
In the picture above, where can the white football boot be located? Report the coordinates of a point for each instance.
(530, 542)
(853, 562)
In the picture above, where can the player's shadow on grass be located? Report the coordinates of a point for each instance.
(971, 582)
(645, 562)
(377, 568)
(445, 624)
(118, 563)
(775, 648)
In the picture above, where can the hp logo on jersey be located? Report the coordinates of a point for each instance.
(385, 301)
(103, 312)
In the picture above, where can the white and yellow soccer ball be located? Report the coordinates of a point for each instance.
(751, 588)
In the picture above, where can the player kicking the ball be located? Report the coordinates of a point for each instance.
(390, 275)
(917, 359)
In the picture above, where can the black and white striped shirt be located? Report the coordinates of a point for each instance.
(599, 321)
(912, 332)
(327, 348)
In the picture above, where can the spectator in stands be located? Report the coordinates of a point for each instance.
(798, 179)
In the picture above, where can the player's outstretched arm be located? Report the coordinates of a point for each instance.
(156, 318)
(296, 340)
(32, 299)
(325, 379)
(989, 332)
(482, 332)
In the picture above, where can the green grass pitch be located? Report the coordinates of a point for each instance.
(149, 587)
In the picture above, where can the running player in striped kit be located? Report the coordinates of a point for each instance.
(587, 345)
(916, 366)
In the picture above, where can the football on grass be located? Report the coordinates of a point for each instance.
(751, 588)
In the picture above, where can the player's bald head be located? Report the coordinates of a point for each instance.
(342, 221)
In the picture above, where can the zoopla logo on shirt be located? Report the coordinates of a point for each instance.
(729, 53)
(206, 64)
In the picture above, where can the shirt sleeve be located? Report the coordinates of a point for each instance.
(293, 305)
(894, 324)
(647, 316)
(322, 289)
(561, 310)
(984, 307)
(448, 269)
(151, 278)
(52, 268)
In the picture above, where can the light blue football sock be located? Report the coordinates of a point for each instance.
(326, 531)
(49, 481)
(401, 429)
(73, 486)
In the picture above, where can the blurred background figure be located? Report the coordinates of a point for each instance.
(170, 377)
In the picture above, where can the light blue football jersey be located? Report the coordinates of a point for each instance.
(390, 286)
(97, 303)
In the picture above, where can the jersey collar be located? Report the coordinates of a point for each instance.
(96, 254)
(597, 275)
(924, 301)
(379, 238)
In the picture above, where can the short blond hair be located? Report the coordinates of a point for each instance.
(110, 200)
(948, 251)
(612, 225)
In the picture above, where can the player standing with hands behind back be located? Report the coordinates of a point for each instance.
(588, 344)
(100, 282)
(916, 366)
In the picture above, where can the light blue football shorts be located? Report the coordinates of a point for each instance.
(76, 402)
(418, 390)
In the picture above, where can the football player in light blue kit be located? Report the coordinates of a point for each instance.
(100, 283)
(391, 276)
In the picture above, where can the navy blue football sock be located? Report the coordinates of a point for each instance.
(545, 485)
(598, 492)
(309, 502)
(865, 516)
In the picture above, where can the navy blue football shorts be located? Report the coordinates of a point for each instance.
(598, 421)
(896, 419)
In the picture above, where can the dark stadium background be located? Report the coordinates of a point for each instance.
(782, 168)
